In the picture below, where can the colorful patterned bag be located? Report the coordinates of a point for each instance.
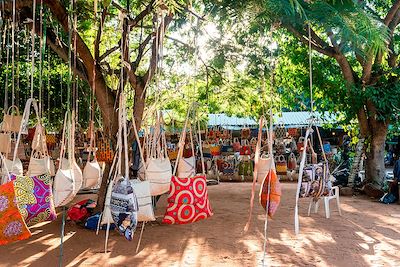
(12, 225)
(236, 144)
(187, 201)
(34, 198)
(245, 168)
(245, 149)
(272, 199)
(124, 208)
(281, 165)
(105, 152)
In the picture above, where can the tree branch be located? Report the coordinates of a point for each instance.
(147, 10)
(109, 51)
(140, 53)
(98, 35)
(326, 50)
(392, 12)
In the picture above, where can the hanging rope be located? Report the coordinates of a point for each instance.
(13, 54)
(311, 73)
(33, 46)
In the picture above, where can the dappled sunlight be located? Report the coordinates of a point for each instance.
(51, 244)
(351, 240)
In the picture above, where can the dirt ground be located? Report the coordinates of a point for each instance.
(368, 234)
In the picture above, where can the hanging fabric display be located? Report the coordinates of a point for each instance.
(34, 198)
(12, 225)
(12, 122)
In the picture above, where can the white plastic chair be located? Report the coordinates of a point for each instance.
(334, 194)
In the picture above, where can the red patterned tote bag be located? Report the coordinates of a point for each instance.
(34, 198)
(270, 193)
(12, 225)
(187, 201)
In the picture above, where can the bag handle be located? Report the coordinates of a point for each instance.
(9, 111)
(300, 180)
(3, 160)
(24, 123)
(201, 149)
(181, 142)
(140, 149)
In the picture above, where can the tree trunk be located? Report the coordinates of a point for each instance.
(375, 166)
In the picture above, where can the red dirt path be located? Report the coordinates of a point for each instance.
(368, 234)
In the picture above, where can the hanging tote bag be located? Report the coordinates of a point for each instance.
(5, 141)
(12, 225)
(39, 162)
(124, 207)
(292, 164)
(64, 182)
(8, 166)
(265, 163)
(158, 165)
(227, 148)
(12, 121)
(270, 193)
(257, 165)
(245, 149)
(300, 144)
(281, 165)
(92, 172)
(188, 197)
(236, 145)
(187, 201)
(34, 198)
(215, 149)
(143, 195)
(245, 133)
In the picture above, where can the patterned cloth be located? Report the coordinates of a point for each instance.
(12, 225)
(34, 198)
(187, 201)
(274, 195)
(124, 208)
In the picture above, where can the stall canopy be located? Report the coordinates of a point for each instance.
(289, 119)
